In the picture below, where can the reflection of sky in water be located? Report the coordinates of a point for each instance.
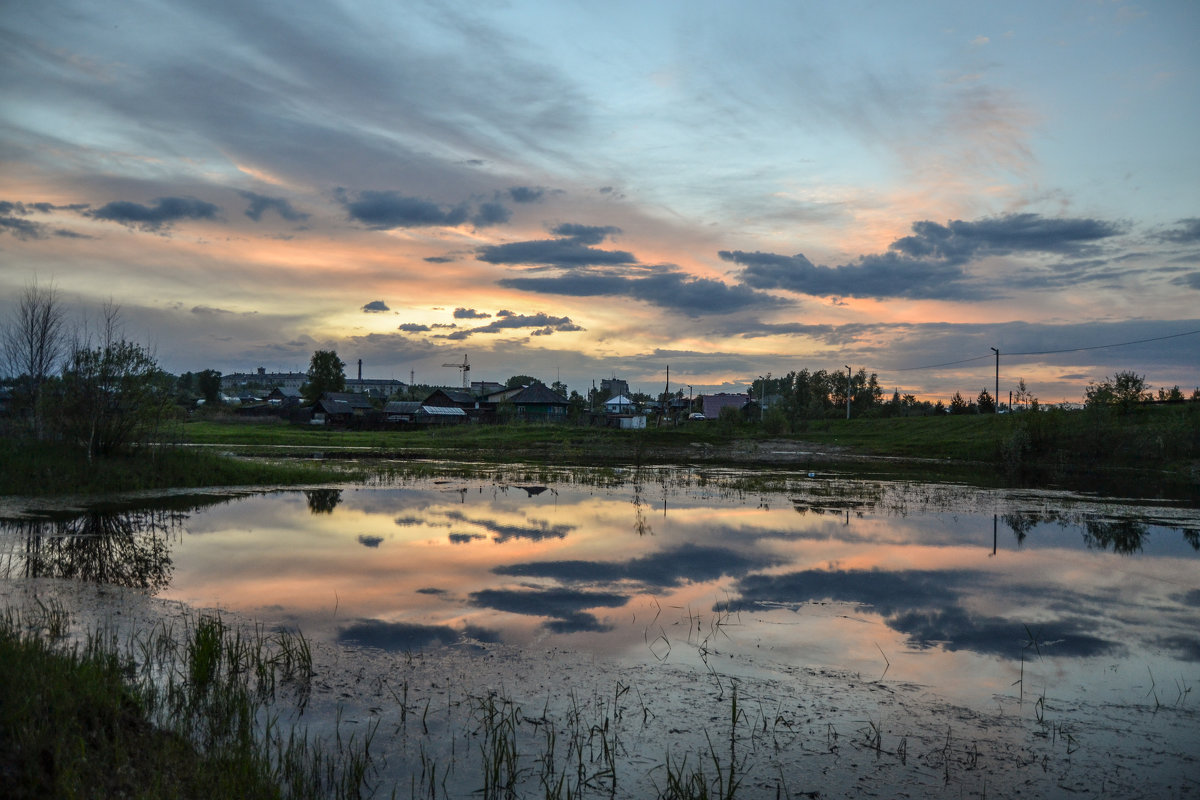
(962, 589)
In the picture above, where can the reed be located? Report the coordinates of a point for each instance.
(162, 714)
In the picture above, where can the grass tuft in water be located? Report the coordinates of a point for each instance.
(160, 716)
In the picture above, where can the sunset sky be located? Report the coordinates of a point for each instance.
(580, 190)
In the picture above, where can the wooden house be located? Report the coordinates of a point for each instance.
(540, 403)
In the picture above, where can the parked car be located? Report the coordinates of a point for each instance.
(696, 415)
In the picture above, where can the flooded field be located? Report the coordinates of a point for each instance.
(614, 632)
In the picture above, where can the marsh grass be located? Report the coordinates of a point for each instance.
(166, 713)
(48, 468)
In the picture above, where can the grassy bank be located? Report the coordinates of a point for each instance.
(1162, 442)
(42, 468)
(159, 716)
(1149, 437)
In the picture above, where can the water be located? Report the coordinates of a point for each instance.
(988, 599)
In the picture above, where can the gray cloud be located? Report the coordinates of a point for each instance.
(164, 212)
(491, 213)
(673, 290)
(375, 307)
(22, 228)
(958, 241)
(261, 203)
(585, 234)
(930, 263)
(565, 606)
(1188, 232)
(668, 568)
(526, 194)
(924, 605)
(502, 532)
(8, 207)
(1191, 280)
(413, 327)
(885, 275)
(506, 320)
(69, 234)
(591, 272)
(405, 636)
(552, 253)
(382, 210)
(470, 313)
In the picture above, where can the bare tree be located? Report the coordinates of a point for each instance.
(34, 342)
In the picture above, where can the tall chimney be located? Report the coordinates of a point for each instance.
(360, 370)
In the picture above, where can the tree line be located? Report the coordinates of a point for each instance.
(94, 388)
(84, 384)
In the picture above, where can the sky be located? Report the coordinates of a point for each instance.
(577, 191)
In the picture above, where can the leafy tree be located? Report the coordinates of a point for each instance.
(517, 381)
(208, 383)
(1023, 395)
(326, 373)
(185, 389)
(958, 405)
(1123, 391)
(560, 388)
(323, 501)
(579, 404)
(1172, 395)
(986, 403)
(113, 396)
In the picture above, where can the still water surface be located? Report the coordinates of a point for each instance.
(976, 593)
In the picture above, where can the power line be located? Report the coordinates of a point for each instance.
(946, 364)
(1103, 346)
(1052, 352)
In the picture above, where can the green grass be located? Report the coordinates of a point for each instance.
(42, 468)
(972, 437)
(169, 714)
(1163, 440)
(1151, 436)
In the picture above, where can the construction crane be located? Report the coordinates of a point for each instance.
(465, 368)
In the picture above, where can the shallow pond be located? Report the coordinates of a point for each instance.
(1020, 604)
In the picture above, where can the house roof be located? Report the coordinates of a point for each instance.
(454, 396)
(619, 400)
(286, 392)
(443, 411)
(331, 406)
(539, 394)
(501, 395)
(349, 398)
(401, 407)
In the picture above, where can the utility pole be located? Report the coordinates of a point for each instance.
(666, 396)
(997, 401)
(847, 391)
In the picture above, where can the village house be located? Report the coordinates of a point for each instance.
(619, 405)
(340, 408)
(540, 403)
